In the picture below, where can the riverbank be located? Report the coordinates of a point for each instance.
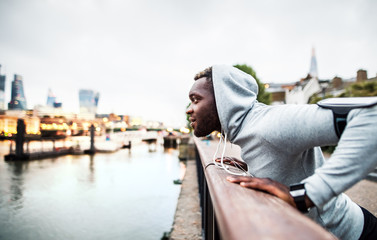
(187, 220)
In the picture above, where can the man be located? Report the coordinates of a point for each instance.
(280, 145)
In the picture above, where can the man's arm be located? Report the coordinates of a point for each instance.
(354, 158)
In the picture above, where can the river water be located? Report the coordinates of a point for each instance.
(121, 195)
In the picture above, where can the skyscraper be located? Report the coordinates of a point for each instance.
(2, 91)
(18, 100)
(313, 65)
(88, 101)
(51, 99)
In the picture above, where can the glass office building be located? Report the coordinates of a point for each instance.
(18, 101)
(2, 91)
(51, 99)
(88, 101)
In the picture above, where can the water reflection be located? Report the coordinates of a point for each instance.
(91, 175)
(122, 195)
(16, 184)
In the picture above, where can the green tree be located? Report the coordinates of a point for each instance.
(316, 98)
(188, 125)
(361, 89)
(263, 96)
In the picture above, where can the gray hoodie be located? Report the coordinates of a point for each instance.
(282, 143)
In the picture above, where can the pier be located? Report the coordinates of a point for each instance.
(30, 148)
(21, 149)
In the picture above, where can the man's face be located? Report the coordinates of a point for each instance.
(203, 113)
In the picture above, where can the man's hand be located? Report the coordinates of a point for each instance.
(233, 162)
(265, 184)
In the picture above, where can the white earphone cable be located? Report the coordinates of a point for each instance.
(221, 164)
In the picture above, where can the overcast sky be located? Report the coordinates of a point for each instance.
(141, 55)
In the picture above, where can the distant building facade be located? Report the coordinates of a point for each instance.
(2, 91)
(18, 100)
(277, 92)
(361, 76)
(338, 85)
(51, 100)
(8, 123)
(334, 87)
(88, 102)
(303, 90)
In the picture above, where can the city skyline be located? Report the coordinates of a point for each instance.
(142, 55)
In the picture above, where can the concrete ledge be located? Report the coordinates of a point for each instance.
(187, 220)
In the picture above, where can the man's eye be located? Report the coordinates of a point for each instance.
(194, 100)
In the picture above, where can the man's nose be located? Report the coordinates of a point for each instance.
(189, 110)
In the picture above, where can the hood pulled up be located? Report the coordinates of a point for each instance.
(235, 94)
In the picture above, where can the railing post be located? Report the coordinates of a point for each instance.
(11, 147)
(92, 149)
(20, 138)
(216, 230)
(200, 174)
(211, 229)
(209, 224)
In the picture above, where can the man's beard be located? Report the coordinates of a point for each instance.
(203, 128)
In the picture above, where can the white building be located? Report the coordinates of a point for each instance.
(308, 86)
(303, 91)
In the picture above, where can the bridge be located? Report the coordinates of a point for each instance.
(126, 139)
